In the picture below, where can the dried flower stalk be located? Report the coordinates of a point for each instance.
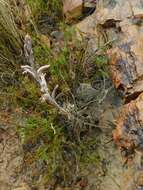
(39, 76)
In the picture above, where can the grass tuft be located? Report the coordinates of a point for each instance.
(10, 44)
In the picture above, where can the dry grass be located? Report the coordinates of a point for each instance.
(10, 42)
(7, 22)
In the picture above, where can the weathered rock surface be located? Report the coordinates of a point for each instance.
(87, 27)
(11, 158)
(126, 62)
(122, 22)
(129, 132)
(129, 137)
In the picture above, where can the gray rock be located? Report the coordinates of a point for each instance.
(57, 35)
(86, 93)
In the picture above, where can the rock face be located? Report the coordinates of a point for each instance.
(129, 132)
(126, 62)
(122, 21)
(128, 135)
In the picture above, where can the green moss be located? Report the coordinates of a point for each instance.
(49, 141)
(38, 129)
(64, 59)
(90, 154)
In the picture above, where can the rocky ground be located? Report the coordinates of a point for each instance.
(111, 172)
(101, 105)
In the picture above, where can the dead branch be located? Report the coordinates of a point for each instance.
(39, 75)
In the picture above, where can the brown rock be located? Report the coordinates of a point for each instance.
(122, 22)
(86, 27)
(129, 132)
(126, 62)
(72, 8)
(117, 10)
